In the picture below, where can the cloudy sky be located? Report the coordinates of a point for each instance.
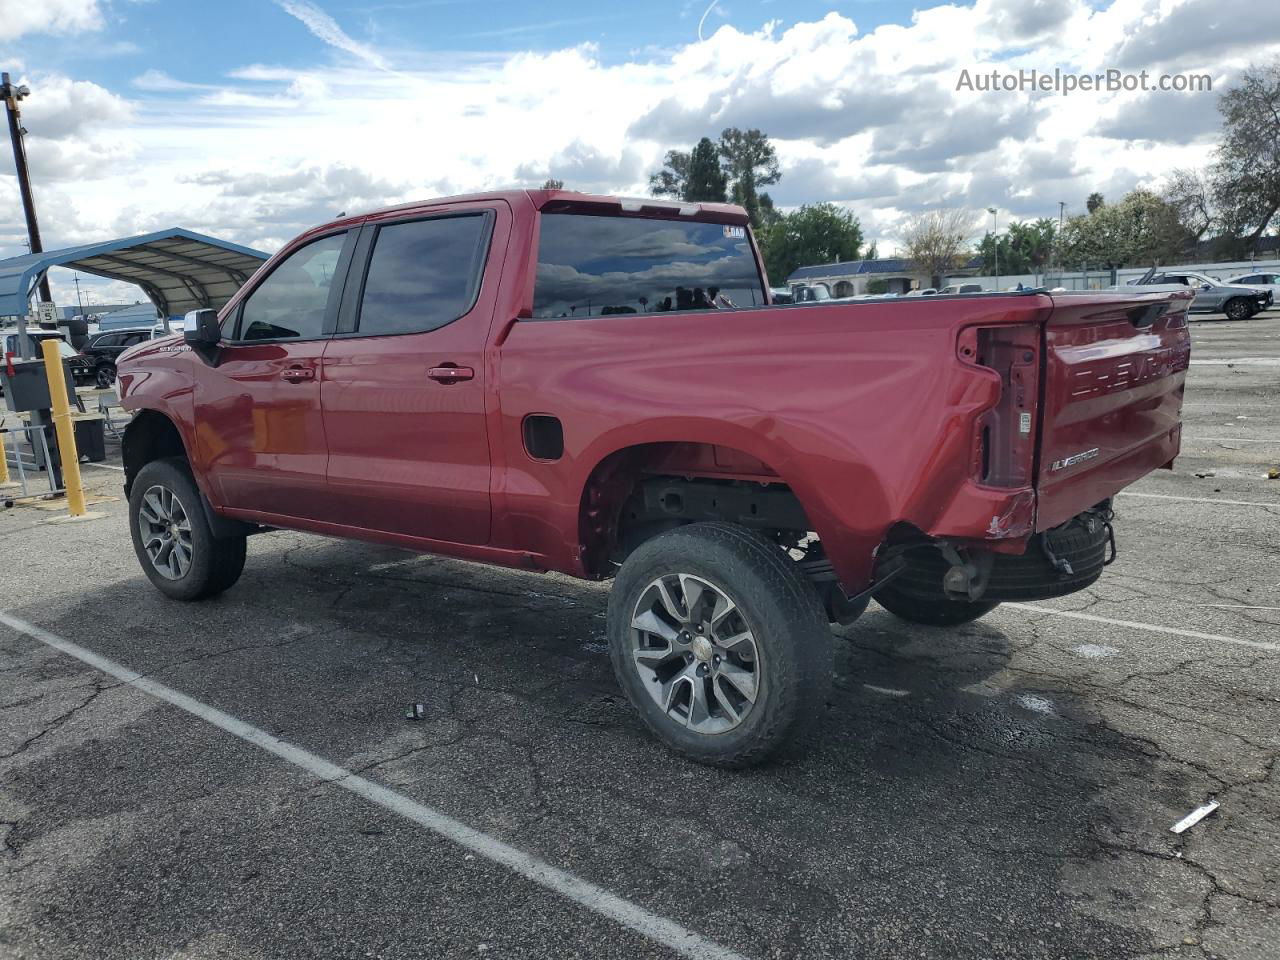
(252, 119)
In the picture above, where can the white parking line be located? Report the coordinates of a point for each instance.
(1165, 496)
(103, 466)
(659, 929)
(1149, 627)
(1232, 439)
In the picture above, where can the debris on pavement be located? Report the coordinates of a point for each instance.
(1195, 816)
(1273, 473)
(416, 711)
(1205, 474)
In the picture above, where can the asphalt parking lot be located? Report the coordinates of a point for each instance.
(1001, 790)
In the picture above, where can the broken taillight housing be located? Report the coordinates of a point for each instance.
(1004, 441)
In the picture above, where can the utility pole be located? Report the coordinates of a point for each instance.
(995, 245)
(78, 300)
(12, 94)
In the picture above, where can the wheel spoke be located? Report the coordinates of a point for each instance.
(699, 709)
(744, 681)
(738, 640)
(725, 701)
(669, 602)
(692, 588)
(653, 657)
(724, 606)
(650, 622)
(671, 688)
(158, 513)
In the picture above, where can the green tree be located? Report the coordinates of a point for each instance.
(552, 183)
(1141, 228)
(1024, 248)
(747, 161)
(671, 179)
(705, 181)
(1246, 170)
(1095, 202)
(818, 233)
(751, 162)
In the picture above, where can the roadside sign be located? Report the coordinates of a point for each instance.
(47, 312)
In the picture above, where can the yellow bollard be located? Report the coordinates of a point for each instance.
(62, 427)
(4, 460)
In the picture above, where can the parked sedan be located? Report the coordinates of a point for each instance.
(1263, 281)
(82, 368)
(103, 348)
(1212, 295)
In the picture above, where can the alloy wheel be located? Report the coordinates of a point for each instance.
(166, 532)
(695, 653)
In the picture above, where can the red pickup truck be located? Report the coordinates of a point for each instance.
(599, 386)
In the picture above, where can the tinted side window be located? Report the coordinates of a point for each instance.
(108, 340)
(135, 338)
(590, 266)
(423, 274)
(290, 303)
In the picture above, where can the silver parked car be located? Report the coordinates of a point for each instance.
(1263, 281)
(1212, 295)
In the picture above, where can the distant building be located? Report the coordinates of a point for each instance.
(850, 279)
(134, 315)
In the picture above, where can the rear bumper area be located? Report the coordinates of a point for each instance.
(1057, 562)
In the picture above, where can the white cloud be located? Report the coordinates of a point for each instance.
(18, 17)
(325, 28)
(872, 120)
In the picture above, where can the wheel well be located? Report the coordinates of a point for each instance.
(149, 436)
(636, 494)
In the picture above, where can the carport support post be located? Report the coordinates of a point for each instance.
(62, 424)
(12, 95)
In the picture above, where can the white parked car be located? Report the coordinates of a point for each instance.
(1263, 281)
(960, 288)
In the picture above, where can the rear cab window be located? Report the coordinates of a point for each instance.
(596, 266)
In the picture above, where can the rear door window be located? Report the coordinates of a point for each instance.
(423, 274)
(594, 266)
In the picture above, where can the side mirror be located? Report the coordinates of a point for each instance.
(202, 333)
(1206, 286)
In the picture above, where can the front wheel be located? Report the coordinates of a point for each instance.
(105, 376)
(171, 534)
(1238, 309)
(720, 644)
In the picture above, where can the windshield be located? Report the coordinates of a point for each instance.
(591, 266)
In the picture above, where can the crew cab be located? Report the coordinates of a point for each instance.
(602, 387)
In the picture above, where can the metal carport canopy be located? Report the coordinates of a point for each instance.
(178, 269)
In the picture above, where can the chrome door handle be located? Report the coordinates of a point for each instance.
(298, 374)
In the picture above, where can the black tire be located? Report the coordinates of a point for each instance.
(215, 564)
(792, 657)
(939, 612)
(105, 376)
(1238, 308)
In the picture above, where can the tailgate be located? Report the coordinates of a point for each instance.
(1115, 366)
